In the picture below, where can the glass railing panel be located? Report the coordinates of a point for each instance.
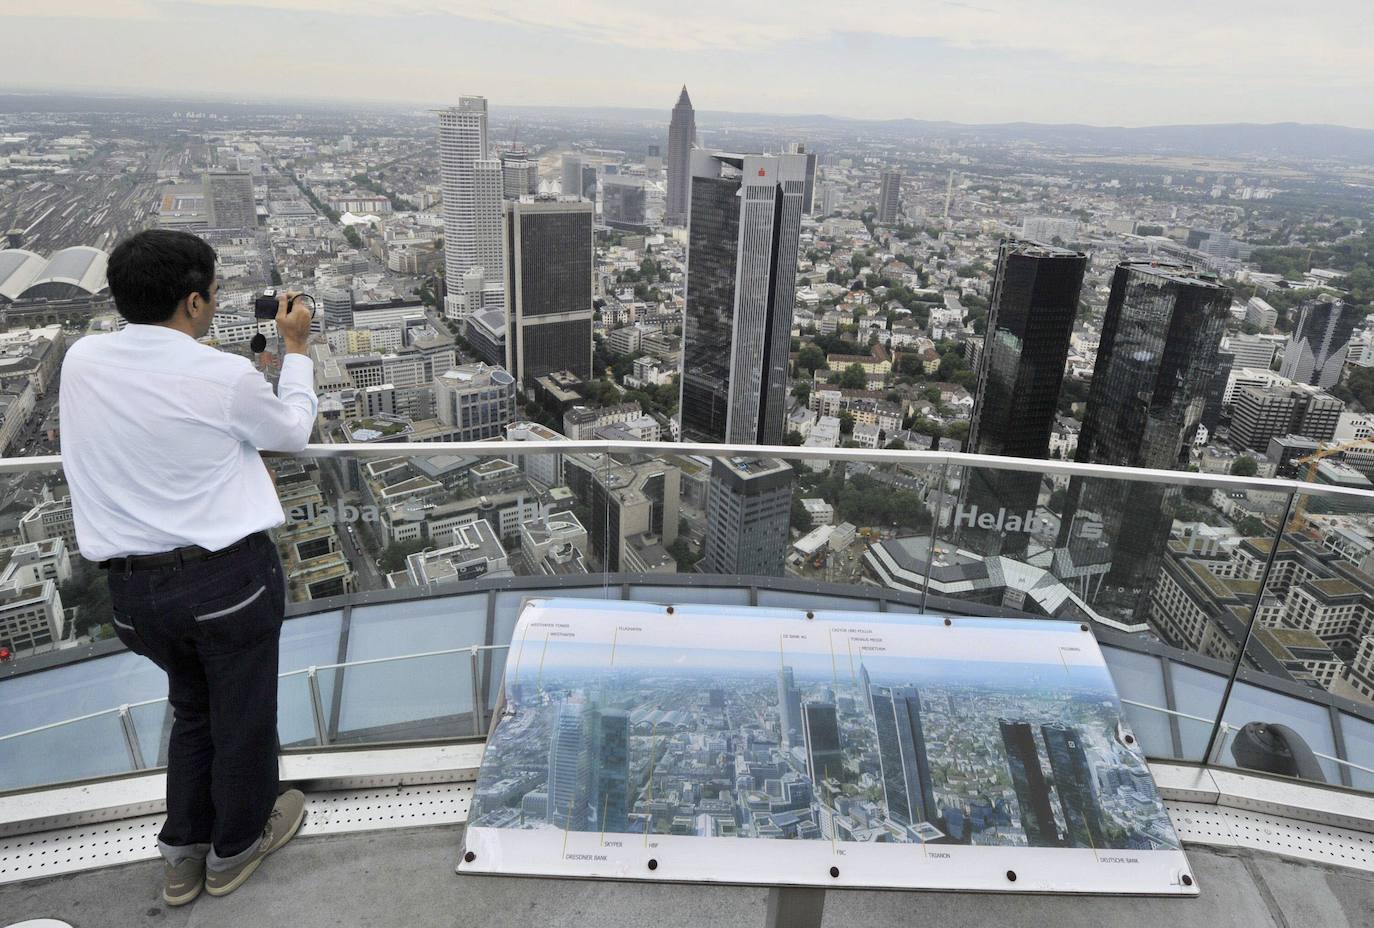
(1173, 563)
(152, 726)
(310, 640)
(1358, 735)
(790, 600)
(76, 689)
(405, 699)
(1197, 695)
(94, 746)
(1313, 644)
(413, 626)
(295, 711)
(1140, 683)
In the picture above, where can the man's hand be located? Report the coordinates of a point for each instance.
(293, 322)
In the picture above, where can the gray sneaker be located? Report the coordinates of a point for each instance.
(281, 827)
(182, 883)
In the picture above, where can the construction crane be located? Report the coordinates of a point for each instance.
(1312, 461)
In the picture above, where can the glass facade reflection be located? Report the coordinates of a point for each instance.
(549, 287)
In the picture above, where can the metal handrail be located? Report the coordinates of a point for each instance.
(869, 455)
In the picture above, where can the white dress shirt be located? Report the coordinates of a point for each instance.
(160, 440)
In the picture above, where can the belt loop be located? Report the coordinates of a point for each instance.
(128, 566)
(181, 562)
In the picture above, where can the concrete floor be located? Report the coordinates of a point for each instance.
(405, 878)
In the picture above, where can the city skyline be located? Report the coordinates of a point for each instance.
(998, 60)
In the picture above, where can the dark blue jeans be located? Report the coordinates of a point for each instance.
(214, 626)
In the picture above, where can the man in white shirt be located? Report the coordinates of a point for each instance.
(160, 445)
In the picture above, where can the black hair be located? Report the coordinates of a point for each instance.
(154, 270)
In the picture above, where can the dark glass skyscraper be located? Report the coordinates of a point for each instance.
(548, 261)
(1030, 320)
(824, 758)
(610, 793)
(789, 708)
(1028, 780)
(1315, 353)
(908, 787)
(1073, 781)
(1160, 338)
(682, 136)
(741, 289)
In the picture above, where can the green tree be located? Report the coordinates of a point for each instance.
(1251, 527)
(811, 359)
(394, 556)
(854, 377)
(801, 519)
(846, 424)
(1244, 466)
(802, 391)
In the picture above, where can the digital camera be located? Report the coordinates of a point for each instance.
(265, 306)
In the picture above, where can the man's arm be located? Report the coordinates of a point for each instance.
(280, 421)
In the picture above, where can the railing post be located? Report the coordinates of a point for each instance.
(126, 724)
(316, 707)
(478, 728)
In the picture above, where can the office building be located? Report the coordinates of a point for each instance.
(622, 203)
(337, 306)
(638, 503)
(486, 333)
(1259, 413)
(1030, 321)
(1215, 399)
(31, 615)
(572, 175)
(1253, 351)
(741, 286)
(748, 511)
(682, 138)
(653, 159)
(477, 401)
(519, 175)
(1074, 782)
(1028, 781)
(229, 200)
(821, 735)
(1316, 351)
(569, 768)
(908, 788)
(890, 197)
(610, 778)
(809, 191)
(472, 185)
(1158, 351)
(1049, 228)
(789, 708)
(548, 287)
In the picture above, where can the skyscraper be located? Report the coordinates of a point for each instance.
(229, 200)
(548, 287)
(572, 174)
(569, 767)
(789, 708)
(472, 186)
(1073, 781)
(519, 175)
(908, 787)
(741, 289)
(748, 512)
(1028, 780)
(1315, 353)
(1030, 319)
(622, 203)
(1158, 351)
(890, 197)
(821, 732)
(809, 191)
(610, 793)
(682, 136)
(337, 303)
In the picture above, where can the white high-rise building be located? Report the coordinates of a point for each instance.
(472, 186)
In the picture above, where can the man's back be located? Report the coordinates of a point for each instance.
(154, 444)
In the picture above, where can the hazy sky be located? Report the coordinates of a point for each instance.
(1106, 62)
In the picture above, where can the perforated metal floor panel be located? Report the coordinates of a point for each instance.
(89, 847)
(1222, 826)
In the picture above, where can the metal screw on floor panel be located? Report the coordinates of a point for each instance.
(1130, 739)
(670, 610)
(1011, 875)
(1187, 880)
(1084, 627)
(810, 614)
(835, 871)
(949, 621)
(653, 864)
(469, 857)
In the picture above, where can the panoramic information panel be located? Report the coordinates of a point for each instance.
(740, 745)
